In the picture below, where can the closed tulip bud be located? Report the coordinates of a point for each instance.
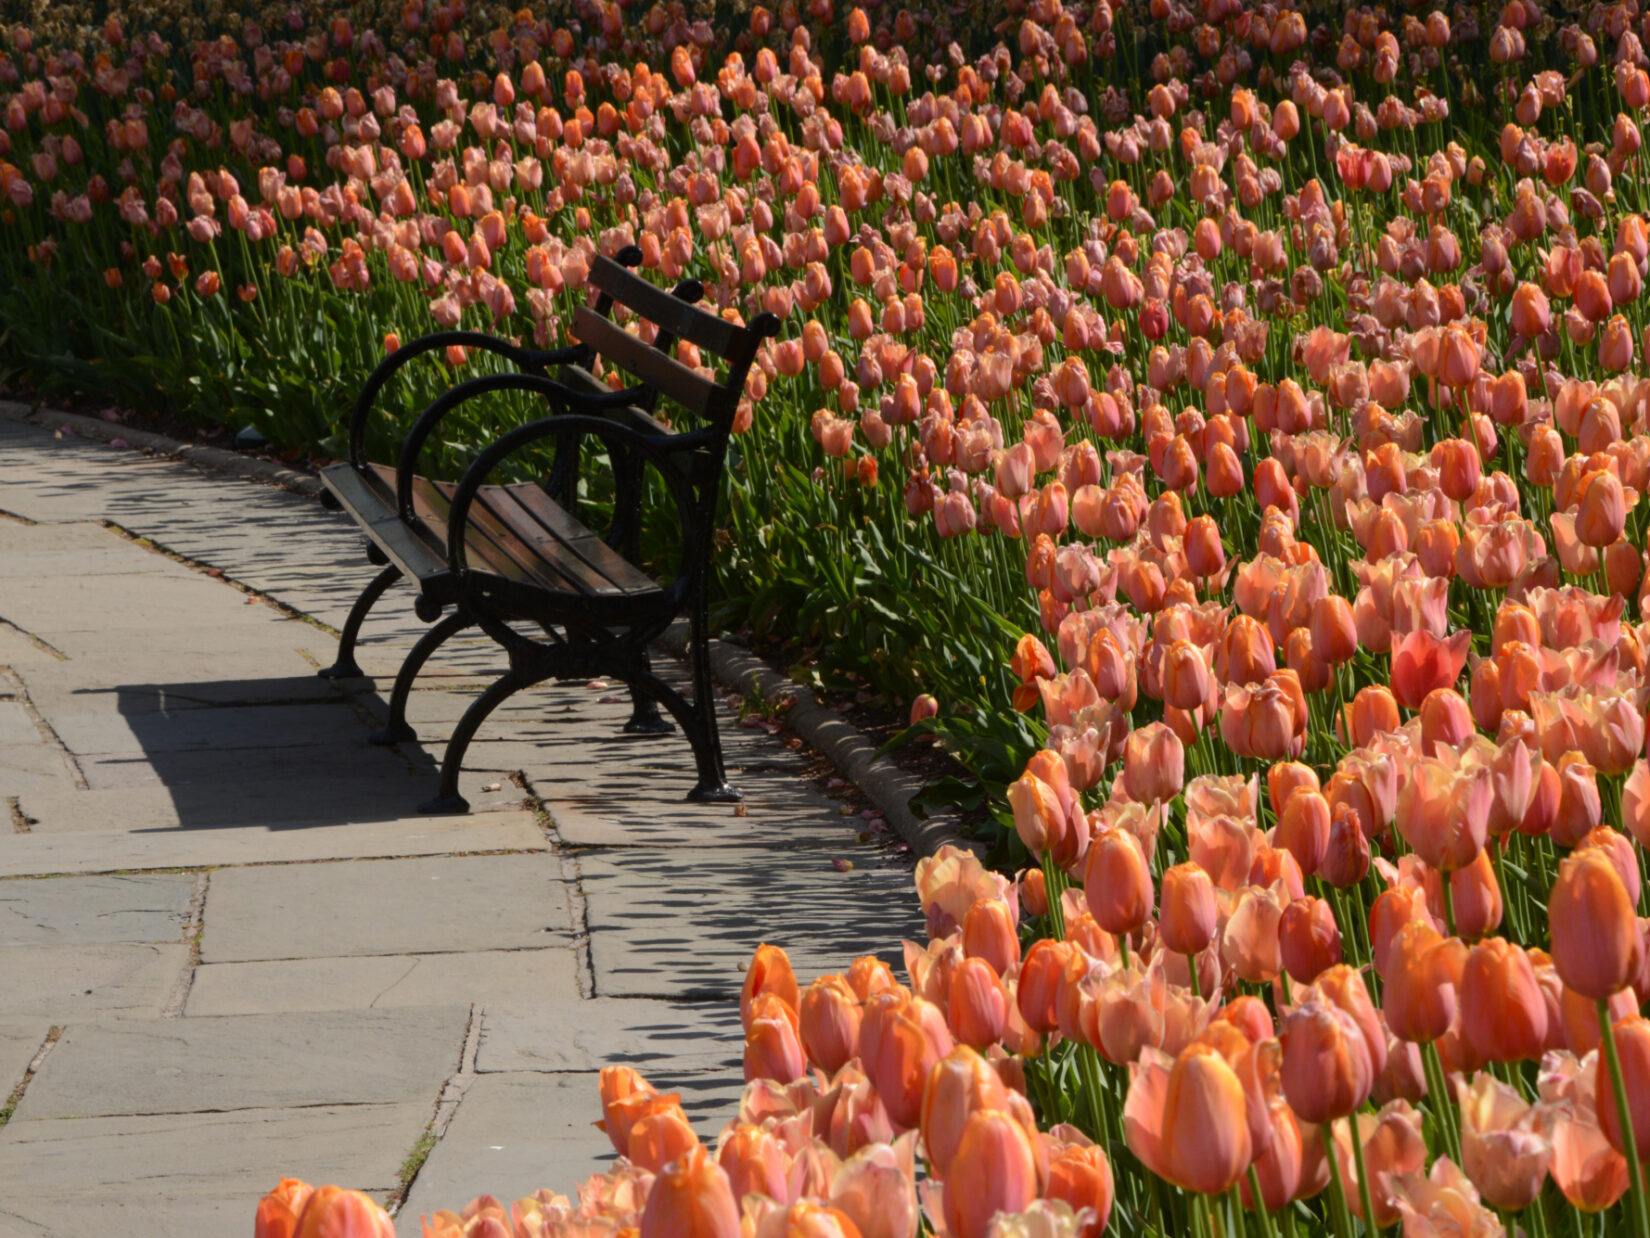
(769, 972)
(278, 1211)
(773, 1050)
(1188, 1123)
(977, 1007)
(1601, 508)
(1039, 817)
(660, 1137)
(1334, 634)
(1040, 983)
(1309, 940)
(1154, 763)
(331, 1211)
(994, 1170)
(989, 932)
(828, 1023)
(1326, 1071)
(754, 1160)
(900, 1039)
(1303, 829)
(961, 1084)
(1422, 969)
(1117, 882)
(1188, 914)
(1531, 315)
(1204, 553)
(1593, 926)
(1633, 1051)
(691, 1198)
(1374, 711)
(1503, 1010)
(1081, 1177)
(1579, 806)
(1346, 860)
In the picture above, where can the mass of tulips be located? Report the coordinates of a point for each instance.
(1222, 422)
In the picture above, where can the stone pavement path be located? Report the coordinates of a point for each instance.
(231, 949)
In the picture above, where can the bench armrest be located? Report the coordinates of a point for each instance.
(695, 497)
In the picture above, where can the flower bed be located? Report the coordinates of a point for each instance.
(1221, 423)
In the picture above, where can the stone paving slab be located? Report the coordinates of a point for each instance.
(18, 651)
(96, 852)
(383, 982)
(356, 1057)
(80, 911)
(295, 763)
(516, 1133)
(105, 683)
(34, 767)
(193, 1175)
(263, 727)
(274, 802)
(225, 646)
(16, 727)
(436, 905)
(20, 1040)
(143, 601)
(63, 983)
(652, 1036)
(661, 928)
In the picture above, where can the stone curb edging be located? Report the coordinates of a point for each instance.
(212, 459)
(888, 787)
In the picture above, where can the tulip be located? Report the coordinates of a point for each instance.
(1421, 663)
(1187, 916)
(1389, 1143)
(1422, 969)
(828, 1022)
(1632, 1052)
(960, 1085)
(1592, 925)
(332, 1212)
(691, 1198)
(1504, 1148)
(1082, 1178)
(1326, 1068)
(977, 1007)
(1309, 940)
(900, 1039)
(1117, 882)
(1186, 1120)
(875, 1189)
(1503, 1011)
(1154, 764)
(769, 972)
(773, 1049)
(993, 1170)
(278, 1211)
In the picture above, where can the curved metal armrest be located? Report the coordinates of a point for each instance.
(431, 417)
(530, 359)
(654, 448)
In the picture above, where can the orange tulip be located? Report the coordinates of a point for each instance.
(876, 1189)
(769, 972)
(333, 1212)
(1503, 1010)
(278, 1211)
(1422, 969)
(1633, 1051)
(1593, 927)
(1186, 1120)
(1309, 940)
(961, 1084)
(900, 1039)
(1326, 1069)
(1154, 763)
(1082, 1178)
(660, 1137)
(828, 1022)
(1421, 663)
(977, 1007)
(773, 1050)
(1117, 882)
(691, 1198)
(993, 1170)
(1187, 918)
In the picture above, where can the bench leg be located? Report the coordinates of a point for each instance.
(645, 718)
(447, 799)
(700, 721)
(345, 667)
(396, 730)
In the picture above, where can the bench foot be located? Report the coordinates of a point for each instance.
(342, 670)
(392, 734)
(345, 667)
(714, 793)
(654, 725)
(444, 805)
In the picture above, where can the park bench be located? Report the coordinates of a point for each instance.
(512, 554)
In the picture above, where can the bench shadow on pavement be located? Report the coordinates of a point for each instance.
(275, 753)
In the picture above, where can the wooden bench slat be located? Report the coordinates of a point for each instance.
(672, 379)
(539, 518)
(493, 550)
(681, 318)
(374, 506)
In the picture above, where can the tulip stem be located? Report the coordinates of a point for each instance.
(1365, 1199)
(1054, 885)
(1438, 1092)
(1337, 1192)
(1197, 985)
(1267, 1229)
(1444, 884)
(1629, 1146)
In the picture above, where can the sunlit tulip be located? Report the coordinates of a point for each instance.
(960, 1085)
(278, 1211)
(1187, 914)
(1422, 970)
(875, 1189)
(1117, 882)
(1592, 925)
(1186, 1122)
(1082, 1178)
(1633, 1051)
(333, 1211)
(1326, 1068)
(1503, 1011)
(993, 1170)
(829, 1022)
(691, 1198)
(1309, 940)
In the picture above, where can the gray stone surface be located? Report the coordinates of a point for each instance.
(74, 911)
(61, 983)
(357, 1057)
(652, 1036)
(190, 1175)
(386, 982)
(20, 1040)
(386, 907)
(276, 843)
(663, 928)
(515, 1133)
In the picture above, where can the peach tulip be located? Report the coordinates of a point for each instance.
(1421, 662)
(1326, 1068)
(1633, 1051)
(1186, 1120)
(332, 1211)
(1503, 1010)
(993, 1170)
(769, 972)
(691, 1198)
(1505, 1148)
(1392, 1144)
(1592, 924)
(1117, 882)
(875, 1188)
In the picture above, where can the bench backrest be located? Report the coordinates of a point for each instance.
(677, 319)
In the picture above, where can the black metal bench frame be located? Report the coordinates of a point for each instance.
(535, 564)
